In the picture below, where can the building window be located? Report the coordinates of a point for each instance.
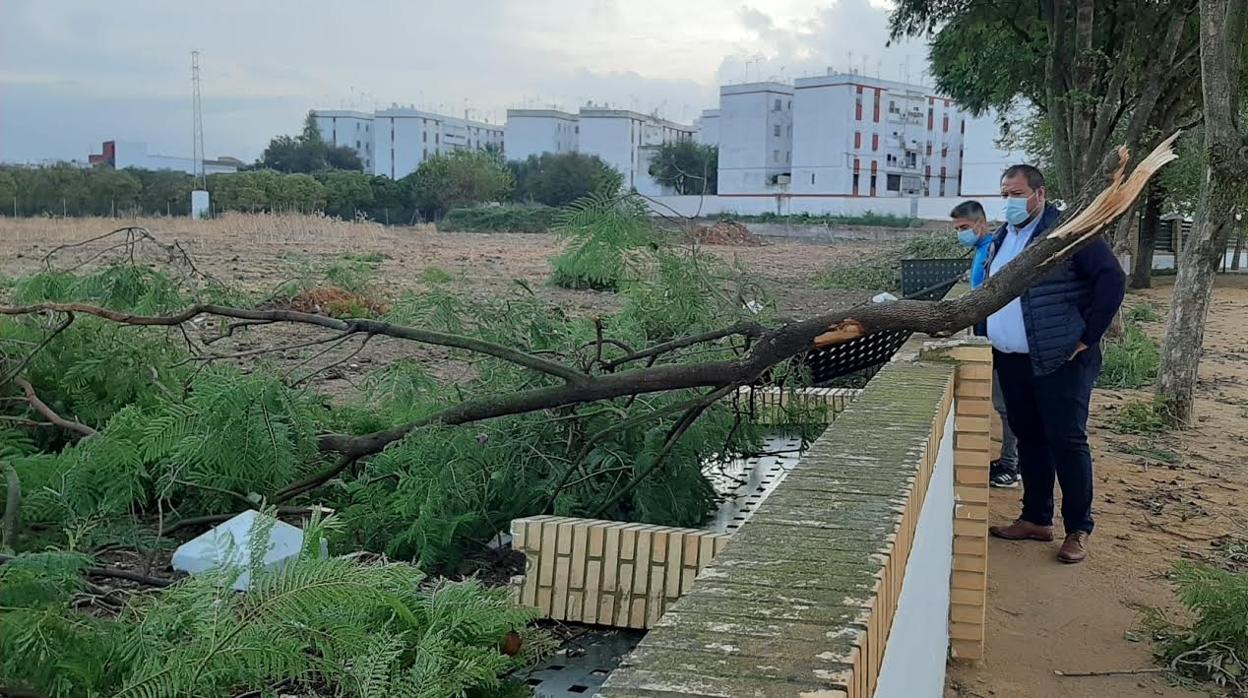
(875, 141)
(855, 184)
(357, 145)
(812, 177)
(788, 156)
(931, 115)
(873, 185)
(858, 105)
(857, 139)
(775, 155)
(929, 149)
(776, 130)
(946, 120)
(425, 156)
(424, 136)
(790, 130)
(893, 183)
(776, 106)
(944, 152)
(877, 107)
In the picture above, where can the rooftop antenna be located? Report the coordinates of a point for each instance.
(197, 136)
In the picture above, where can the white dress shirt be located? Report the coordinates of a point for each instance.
(1006, 330)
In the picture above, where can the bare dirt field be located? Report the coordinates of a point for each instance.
(1160, 499)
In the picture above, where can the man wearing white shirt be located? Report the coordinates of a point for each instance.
(1047, 356)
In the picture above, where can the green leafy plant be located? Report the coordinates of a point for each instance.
(1141, 417)
(607, 241)
(509, 218)
(1130, 362)
(882, 272)
(1214, 647)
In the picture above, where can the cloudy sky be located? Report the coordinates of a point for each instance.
(74, 73)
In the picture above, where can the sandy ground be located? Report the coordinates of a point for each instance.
(1045, 617)
(1042, 616)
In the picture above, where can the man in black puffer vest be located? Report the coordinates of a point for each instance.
(1047, 355)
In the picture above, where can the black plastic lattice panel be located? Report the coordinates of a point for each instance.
(920, 274)
(865, 353)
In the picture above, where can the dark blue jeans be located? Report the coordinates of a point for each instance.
(1049, 416)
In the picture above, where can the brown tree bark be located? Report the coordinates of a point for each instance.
(1142, 267)
(1223, 25)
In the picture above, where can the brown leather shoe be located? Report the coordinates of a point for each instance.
(1023, 530)
(1074, 549)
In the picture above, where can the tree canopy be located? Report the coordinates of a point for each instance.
(1101, 71)
(308, 152)
(459, 178)
(687, 167)
(558, 179)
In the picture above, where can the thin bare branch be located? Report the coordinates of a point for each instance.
(50, 414)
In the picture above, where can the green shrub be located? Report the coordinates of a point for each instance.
(870, 218)
(1145, 418)
(1142, 312)
(1215, 646)
(435, 275)
(500, 219)
(1130, 362)
(882, 271)
(607, 242)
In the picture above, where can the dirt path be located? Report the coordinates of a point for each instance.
(1045, 617)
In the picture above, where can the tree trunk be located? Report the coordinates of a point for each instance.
(1239, 250)
(1223, 23)
(1142, 273)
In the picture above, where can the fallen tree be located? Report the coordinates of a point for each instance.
(566, 384)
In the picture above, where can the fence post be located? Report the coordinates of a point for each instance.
(972, 423)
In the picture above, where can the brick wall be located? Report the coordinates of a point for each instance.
(607, 572)
(800, 602)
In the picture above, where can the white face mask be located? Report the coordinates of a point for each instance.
(1015, 209)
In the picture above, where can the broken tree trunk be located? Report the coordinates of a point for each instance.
(1142, 271)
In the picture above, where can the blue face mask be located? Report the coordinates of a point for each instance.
(968, 237)
(1016, 209)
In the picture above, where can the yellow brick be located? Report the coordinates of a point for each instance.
(974, 406)
(967, 597)
(960, 613)
(970, 563)
(971, 459)
(692, 542)
(970, 545)
(610, 561)
(964, 650)
(565, 538)
(706, 551)
(546, 566)
(593, 579)
(596, 536)
(517, 534)
(972, 494)
(966, 631)
(641, 568)
(975, 512)
(559, 590)
(975, 371)
(978, 425)
(969, 580)
(971, 476)
(970, 354)
(973, 388)
(970, 528)
(580, 546)
(675, 546)
(658, 547)
(637, 616)
(973, 442)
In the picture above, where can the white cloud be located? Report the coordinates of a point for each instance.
(76, 73)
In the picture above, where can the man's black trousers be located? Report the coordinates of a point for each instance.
(1049, 416)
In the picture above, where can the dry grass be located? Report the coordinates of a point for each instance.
(263, 228)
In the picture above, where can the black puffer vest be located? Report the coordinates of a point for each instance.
(1053, 307)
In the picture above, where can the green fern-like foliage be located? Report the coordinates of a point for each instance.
(1215, 646)
(358, 629)
(608, 240)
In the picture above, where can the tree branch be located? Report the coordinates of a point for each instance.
(50, 414)
(107, 573)
(354, 325)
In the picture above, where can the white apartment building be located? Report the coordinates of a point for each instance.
(755, 138)
(537, 131)
(859, 136)
(983, 161)
(404, 137)
(627, 141)
(350, 129)
(708, 127)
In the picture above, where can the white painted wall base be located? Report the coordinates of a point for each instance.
(934, 208)
(914, 658)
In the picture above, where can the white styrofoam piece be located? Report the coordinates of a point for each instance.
(229, 546)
